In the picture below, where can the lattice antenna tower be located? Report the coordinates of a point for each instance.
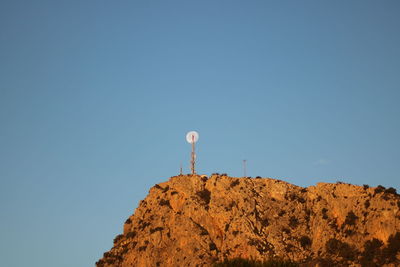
(192, 137)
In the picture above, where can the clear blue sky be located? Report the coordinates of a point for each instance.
(96, 98)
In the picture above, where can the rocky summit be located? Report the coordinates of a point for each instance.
(198, 220)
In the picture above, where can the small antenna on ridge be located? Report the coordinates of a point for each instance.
(191, 138)
(244, 168)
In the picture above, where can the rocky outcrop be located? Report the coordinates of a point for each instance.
(196, 220)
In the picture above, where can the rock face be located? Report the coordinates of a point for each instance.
(195, 221)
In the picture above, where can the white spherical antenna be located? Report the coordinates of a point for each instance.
(192, 137)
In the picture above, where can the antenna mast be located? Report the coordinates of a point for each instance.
(193, 160)
(191, 138)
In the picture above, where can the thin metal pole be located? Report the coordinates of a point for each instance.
(244, 168)
(193, 157)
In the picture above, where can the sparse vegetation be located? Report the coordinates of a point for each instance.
(166, 189)
(372, 250)
(226, 227)
(100, 263)
(109, 258)
(305, 241)
(293, 222)
(203, 231)
(375, 254)
(118, 238)
(393, 247)
(289, 248)
(289, 218)
(265, 222)
(204, 178)
(308, 214)
(350, 218)
(165, 202)
(294, 197)
(301, 200)
(230, 206)
(379, 189)
(212, 246)
(158, 187)
(235, 183)
(349, 232)
(339, 248)
(205, 196)
(156, 229)
(239, 262)
(143, 225)
(324, 215)
(142, 248)
(391, 190)
(131, 234)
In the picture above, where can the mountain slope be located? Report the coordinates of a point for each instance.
(195, 221)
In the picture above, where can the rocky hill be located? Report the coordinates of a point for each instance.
(198, 220)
